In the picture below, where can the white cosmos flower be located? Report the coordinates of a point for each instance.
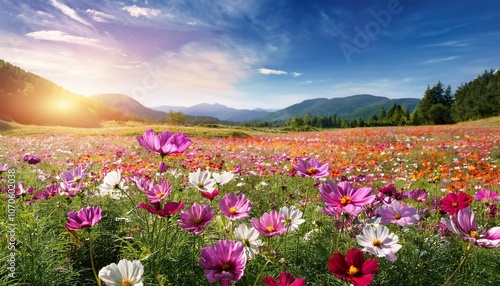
(223, 178)
(249, 237)
(293, 218)
(202, 181)
(113, 184)
(125, 273)
(378, 241)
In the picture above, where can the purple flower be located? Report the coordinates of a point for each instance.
(158, 193)
(418, 195)
(345, 197)
(164, 143)
(464, 224)
(224, 262)
(196, 218)
(4, 168)
(311, 169)
(86, 217)
(31, 159)
(235, 207)
(143, 184)
(163, 167)
(168, 208)
(398, 213)
(74, 175)
(484, 195)
(270, 224)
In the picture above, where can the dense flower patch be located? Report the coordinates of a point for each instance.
(355, 206)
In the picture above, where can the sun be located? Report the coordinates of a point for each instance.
(63, 104)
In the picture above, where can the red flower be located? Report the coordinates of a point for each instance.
(168, 209)
(454, 202)
(353, 268)
(285, 279)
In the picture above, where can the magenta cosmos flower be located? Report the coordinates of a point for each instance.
(235, 207)
(398, 213)
(225, 262)
(159, 192)
(454, 202)
(31, 159)
(464, 224)
(74, 175)
(196, 218)
(285, 279)
(353, 267)
(311, 169)
(86, 217)
(168, 208)
(270, 224)
(164, 143)
(345, 197)
(487, 196)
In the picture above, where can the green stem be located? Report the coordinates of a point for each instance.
(260, 273)
(92, 262)
(467, 251)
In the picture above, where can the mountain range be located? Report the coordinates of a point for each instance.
(30, 99)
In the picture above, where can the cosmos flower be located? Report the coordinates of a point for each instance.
(31, 159)
(202, 181)
(224, 262)
(345, 197)
(196, 218)
(74, 175)
(4, 168)
(164, 143)
(249, 237)
(485, 195)
(168, 209)
(419, 196)
(86, 217)
(454, 202)
(285, 279)
(235, 207)
(379, 242)
(270, 224)
(292, 218)
(398, 213)
(112, 184)
(159, 192)
(223, 178)
(353, 267)
(126, 272)
(464, 224)
(210, 195)
(311, 169)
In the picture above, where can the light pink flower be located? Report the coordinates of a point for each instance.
(345, 197)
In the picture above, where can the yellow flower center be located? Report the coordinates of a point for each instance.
(454, 204)
(352, 270)
(474, 234)
(233, 210)
(397, 216)
(288, 220)
(126, 282)
(196, 220)
(225, 267)
(246, 243)
(345, 200)
(270, 228)
(377, 243)
(160, 194)
(201, 185)
(311, 171)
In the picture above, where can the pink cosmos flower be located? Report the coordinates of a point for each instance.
(164, 143)
(454, 202)
(345, 197)
(224, 262)
(353, 267)
(210, 195)
(464, 224)
(86, 217)
(159, 192)
(196, 218)
(235, 207)
(285, 279)
(311, 169)
(485, 195)
(168, 208)
(74, 175)
(398, 213)
(270, 224)
(4, 167)
(420, 196)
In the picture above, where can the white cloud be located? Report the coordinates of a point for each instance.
(99, 16)
(58, 36)
(69, 12)
(271, 71)
(440, 60)
(296, 74)
(136, 11)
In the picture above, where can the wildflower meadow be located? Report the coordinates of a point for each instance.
(366, 206)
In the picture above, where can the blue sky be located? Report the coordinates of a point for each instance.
(250, 54)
